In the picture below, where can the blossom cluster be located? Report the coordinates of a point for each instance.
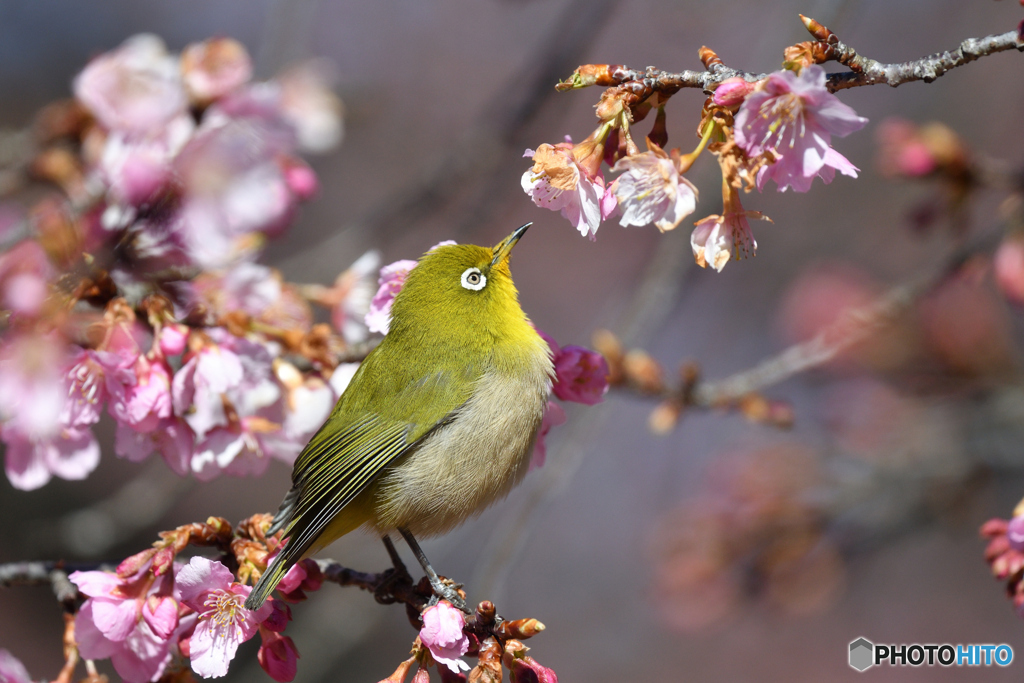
(581, 375)
(779, 128)
(445, 638)
(156, 612)
(136, 289)
(1005, 554)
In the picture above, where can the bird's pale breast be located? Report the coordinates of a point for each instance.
(474, 461)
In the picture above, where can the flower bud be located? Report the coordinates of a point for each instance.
(643, 371)
(732, 91)
(664, 418)
(520, 629)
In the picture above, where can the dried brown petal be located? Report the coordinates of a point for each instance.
(643, 371)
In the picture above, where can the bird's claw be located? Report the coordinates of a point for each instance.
(446, 589)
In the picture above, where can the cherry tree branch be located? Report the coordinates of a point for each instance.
(863, 71)
(53, 574)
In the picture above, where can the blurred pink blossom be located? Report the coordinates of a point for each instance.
(25, 272)
(11, 669)
(581, 375)
(135, 88)
(214, 67)
(442, 635)
(651, 190)
(137, 168)
(172, 339)
(558, 183)
(208, 587)
(392, 277)
(554, 416)
(131, 621)
(353, 292)
(1009, 269)
(794, 117)
(172, 438)
(32, 388)
(310, 106)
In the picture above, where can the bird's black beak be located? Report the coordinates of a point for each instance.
(504, 248)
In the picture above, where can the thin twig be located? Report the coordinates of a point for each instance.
(53, 574)
(864, 71)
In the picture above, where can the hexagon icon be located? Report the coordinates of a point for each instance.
(862, 653)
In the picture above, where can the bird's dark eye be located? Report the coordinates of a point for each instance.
(473, 279)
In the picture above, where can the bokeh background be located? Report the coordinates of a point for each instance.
(724, 550)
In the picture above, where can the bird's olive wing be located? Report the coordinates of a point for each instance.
(379, 418)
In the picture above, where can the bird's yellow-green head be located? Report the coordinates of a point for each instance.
(461, 291)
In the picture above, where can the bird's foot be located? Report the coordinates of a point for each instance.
(446, 589)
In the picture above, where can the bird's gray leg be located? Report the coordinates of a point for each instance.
(441, 589)
(396, 561)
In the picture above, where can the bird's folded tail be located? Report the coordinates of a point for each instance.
(268, 581)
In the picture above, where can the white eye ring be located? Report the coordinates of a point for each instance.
(473, 279)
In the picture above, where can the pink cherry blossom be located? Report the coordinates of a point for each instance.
(29, 463)
(207, 375)
(11, 669)
(136, 168)
(214, 67)
(147, 404)
(25, 272)
(223, 623)
(554, 416)
(172, 438)
(581, 375)
(234, 187)
(32, 388)
(794, 117)
(442, 635)
(717, 239)
(392, 277)
(651, 190)
(353, 293)
(310, 106)
(278, 656)
(135, 88)
(130, 620)
(557, 182)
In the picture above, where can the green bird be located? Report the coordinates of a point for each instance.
(438, 422)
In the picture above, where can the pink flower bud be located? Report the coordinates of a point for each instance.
(301, 179)
(527, 670)
(279, 618)
(731, 92)
(581, 375)
(278, 656)
(173, 339)
(133, 565)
